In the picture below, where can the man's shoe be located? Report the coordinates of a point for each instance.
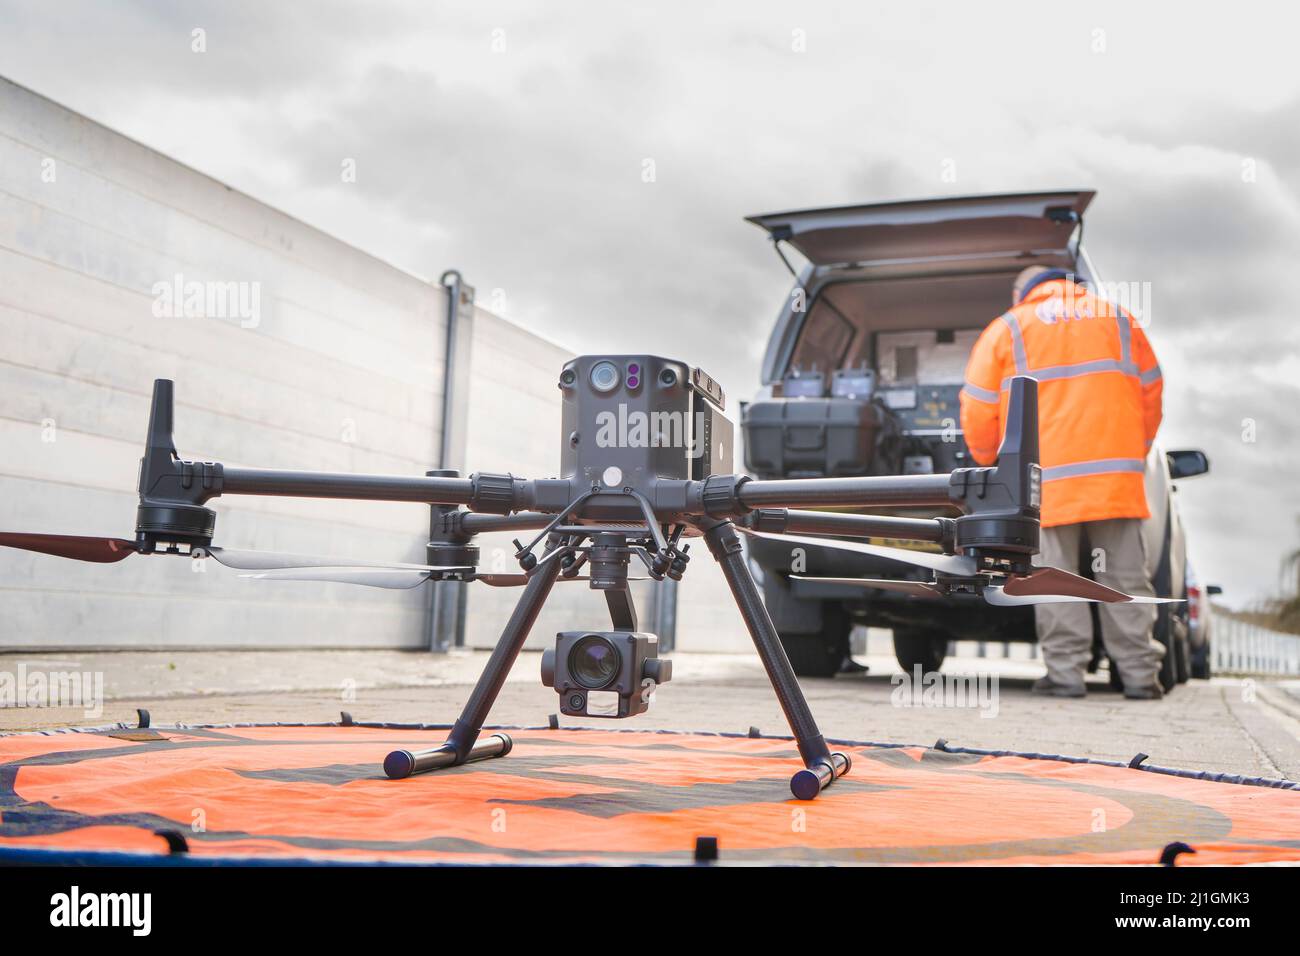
(1149, 692)
(1045, 685)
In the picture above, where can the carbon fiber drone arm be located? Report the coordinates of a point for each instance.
(939, 531)
(312, 484)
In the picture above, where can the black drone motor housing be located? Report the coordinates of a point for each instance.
(172, 492)
(182, 523)
(1002, 503)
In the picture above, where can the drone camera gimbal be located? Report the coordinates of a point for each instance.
(605, 673)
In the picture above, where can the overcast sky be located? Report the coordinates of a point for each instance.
(509, 141)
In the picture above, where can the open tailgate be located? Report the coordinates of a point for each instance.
(962, 226)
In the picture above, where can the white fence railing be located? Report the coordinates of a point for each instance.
(1243, 648)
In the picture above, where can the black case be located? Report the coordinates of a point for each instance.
(818, 438)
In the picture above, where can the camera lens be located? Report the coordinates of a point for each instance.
(604, 376)
(594, 662)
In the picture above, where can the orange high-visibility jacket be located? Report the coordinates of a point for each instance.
(1099, 399)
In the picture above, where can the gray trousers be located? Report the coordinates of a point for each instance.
(1117, 558)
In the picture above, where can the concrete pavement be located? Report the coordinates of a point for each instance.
(1249, 727)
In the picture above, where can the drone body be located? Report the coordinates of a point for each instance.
(630, 422)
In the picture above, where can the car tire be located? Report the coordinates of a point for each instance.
(1176, 666)
(1168, 676)
(1164, 632)
(914, 646)
(1165, 635)
(1200, 665)
(820, 655)
(1183, 659)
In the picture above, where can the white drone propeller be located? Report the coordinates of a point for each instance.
(1000, 598)
(1040, 586)
(394, 577)
(270, 565)
(927, 589)
(955, 564)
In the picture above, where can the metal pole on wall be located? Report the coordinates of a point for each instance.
(446, 611)
(460, 296)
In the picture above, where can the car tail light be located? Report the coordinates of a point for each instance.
(1193, 604)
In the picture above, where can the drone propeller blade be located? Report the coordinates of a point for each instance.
(275, 561)
(955, 564)
(99, 550)
(1000, 598)
(502, 580)
(917, 588)
(519, 580)
(392, 578)
(1056, 583)
(997, 596)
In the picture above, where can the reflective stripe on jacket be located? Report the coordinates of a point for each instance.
(1099, 399)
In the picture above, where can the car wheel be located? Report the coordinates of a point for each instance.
(1200, 666)
(1164, 635)
(820, 655)
(919, 647)
(1183, 659)
(1166, 631)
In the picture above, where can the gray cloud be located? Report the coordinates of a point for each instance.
(132, 47)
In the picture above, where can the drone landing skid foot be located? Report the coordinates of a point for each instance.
(812, 780)
(404, 763)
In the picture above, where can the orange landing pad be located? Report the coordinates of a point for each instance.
(316, 794)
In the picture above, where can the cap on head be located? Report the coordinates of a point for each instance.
(1031, 276)
(1023, 280)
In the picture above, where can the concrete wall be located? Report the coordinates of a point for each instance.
(340, 369)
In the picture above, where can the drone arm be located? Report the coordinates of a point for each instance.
(310, 484)
(780, 521)
(902, 491)
(470, 523)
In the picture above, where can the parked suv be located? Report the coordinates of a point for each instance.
(861, 376)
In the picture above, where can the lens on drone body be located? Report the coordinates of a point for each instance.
(604, 377)
(594, 662)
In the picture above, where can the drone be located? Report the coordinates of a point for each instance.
(645, 465)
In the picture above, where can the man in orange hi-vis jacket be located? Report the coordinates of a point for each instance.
(1099, 407)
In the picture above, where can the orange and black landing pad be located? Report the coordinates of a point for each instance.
(282, 794)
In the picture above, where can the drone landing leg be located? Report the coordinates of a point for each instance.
(821, 766)
(461, 746)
